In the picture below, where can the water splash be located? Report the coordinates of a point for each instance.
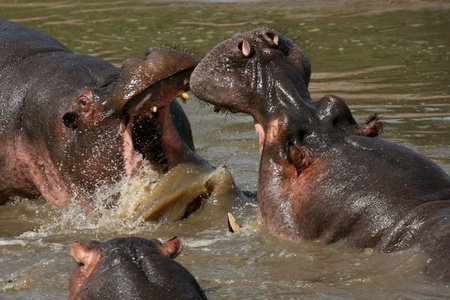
(149, 199)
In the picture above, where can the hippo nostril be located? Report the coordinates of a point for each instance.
(274, 37)
(245, 47)
(271, 38)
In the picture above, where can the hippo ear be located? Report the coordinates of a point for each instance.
(86, 257)
(172, 248)
(372, 126)
(332, 110)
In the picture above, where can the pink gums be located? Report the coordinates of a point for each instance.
(171, 143)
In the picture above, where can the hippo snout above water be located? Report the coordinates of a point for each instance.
(131, 268)
(322, 176)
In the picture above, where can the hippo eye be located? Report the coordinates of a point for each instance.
(84, 104)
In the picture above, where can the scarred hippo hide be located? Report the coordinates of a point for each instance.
(71, 124)
(321, 175)
(131, 268)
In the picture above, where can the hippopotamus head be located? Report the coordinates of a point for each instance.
(264, 74)
(321, 175)
(256, 72)
(136, 104)
(131, 268)
(125, 126)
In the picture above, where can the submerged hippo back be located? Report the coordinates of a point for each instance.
(131, 268)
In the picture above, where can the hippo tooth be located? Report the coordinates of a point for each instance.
(232, 225)
(216, 109)
(223, 110)
(155, 109)
(123, 127)
(183, 95)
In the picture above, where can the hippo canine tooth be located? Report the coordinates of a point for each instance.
(183, 95)
(155, 109)
(123, 127)
(232, 225)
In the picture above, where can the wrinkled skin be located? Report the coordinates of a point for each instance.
(73, 123)
(131, 268)
(321, 175)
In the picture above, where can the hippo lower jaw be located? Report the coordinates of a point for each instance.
(174, 195)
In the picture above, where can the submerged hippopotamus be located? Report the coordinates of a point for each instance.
(71, 124)
(131, 268)
(321, 175)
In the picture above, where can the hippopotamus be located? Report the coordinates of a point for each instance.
(131, 268)
(321, 175)
(71, 124)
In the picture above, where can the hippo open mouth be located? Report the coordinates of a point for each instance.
(142, 100)
(168, 180)
(84, 132)
(147, 126)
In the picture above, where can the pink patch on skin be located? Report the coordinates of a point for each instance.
(260, 131)
(171, 143)
(129, 153)
(43, 174)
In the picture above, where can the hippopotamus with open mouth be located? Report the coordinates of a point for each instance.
(321, 175)
(72, 124)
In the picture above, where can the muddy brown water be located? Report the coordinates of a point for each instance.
(389, 57)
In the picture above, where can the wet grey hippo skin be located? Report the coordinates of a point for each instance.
(131, 268)
(321, 175)
(71, 123)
